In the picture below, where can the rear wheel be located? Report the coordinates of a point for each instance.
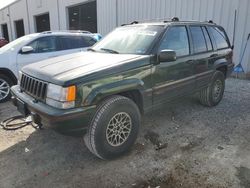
(114, 128)
(212, 95)
(5, 85)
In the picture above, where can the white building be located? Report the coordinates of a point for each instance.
(28, 16)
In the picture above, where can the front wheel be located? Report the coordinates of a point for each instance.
(114, 128)
(5, 85)
(212, 95)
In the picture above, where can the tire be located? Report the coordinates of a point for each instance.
(5, 85)
(98, 139)
(210, 96)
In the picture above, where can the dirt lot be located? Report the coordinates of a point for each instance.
(184, 145)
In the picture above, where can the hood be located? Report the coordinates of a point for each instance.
(69, 67)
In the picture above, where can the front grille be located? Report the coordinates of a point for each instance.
(34, 87)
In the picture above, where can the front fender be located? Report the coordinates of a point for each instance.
(99, 93)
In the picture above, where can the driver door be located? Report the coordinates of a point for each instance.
(173, 79)
(43, 48)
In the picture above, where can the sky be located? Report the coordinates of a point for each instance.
(4, 3)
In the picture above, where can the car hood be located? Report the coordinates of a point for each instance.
(61, 69)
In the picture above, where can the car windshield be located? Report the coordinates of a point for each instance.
(15, 43)
(135, 39)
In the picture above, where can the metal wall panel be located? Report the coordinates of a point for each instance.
(220, 11)
(106, 15)
(112, 13)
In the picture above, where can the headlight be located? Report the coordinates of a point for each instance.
(61, 97)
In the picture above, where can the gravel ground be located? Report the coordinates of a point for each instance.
(184, 145)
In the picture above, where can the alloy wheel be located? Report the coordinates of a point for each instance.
(118, 129)
(4, 89)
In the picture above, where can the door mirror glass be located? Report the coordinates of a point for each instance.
(167, 56)
(27, 49)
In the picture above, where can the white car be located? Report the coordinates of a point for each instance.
(36, 47)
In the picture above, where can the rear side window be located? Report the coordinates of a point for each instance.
(219, 37)
(73, 42)
(199, 42)
(176, 39)
(208, 40)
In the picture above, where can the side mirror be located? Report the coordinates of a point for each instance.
(167, 56)
(27, 49)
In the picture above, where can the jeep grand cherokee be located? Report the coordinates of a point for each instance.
(135, 69)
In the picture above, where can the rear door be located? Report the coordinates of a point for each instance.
(222, 47)
(75, 43)
(203, 54)
(173, 79)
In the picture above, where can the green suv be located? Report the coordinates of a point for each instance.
(135, 69)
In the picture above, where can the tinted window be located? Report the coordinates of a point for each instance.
(208, 40)
(44, 44)
(176, 39)
(219, 37)
(199, 42)
(73, 42)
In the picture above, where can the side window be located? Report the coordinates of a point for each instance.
(208, 40)
(73, 42)
(199, 42)
(44, 44)
(69, 42)
(176, 39)
(219, 37)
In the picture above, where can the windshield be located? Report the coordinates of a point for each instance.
(15, 43)
(129, 39)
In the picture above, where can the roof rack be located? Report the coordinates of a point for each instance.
(134, 22)
(68, 31)
(145, 21)
(210, 21)
(164, 20)
(175, 19)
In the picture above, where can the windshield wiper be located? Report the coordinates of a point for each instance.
(91, 49)
(109, 50)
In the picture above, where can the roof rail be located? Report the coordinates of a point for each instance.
(145, 21)
(175, 19)
(68, 31)
(164, 20)
(134, 22)
(210, 21)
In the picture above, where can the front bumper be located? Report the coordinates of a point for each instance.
(70, 120)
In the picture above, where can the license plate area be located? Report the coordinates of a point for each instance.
(22, 108)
